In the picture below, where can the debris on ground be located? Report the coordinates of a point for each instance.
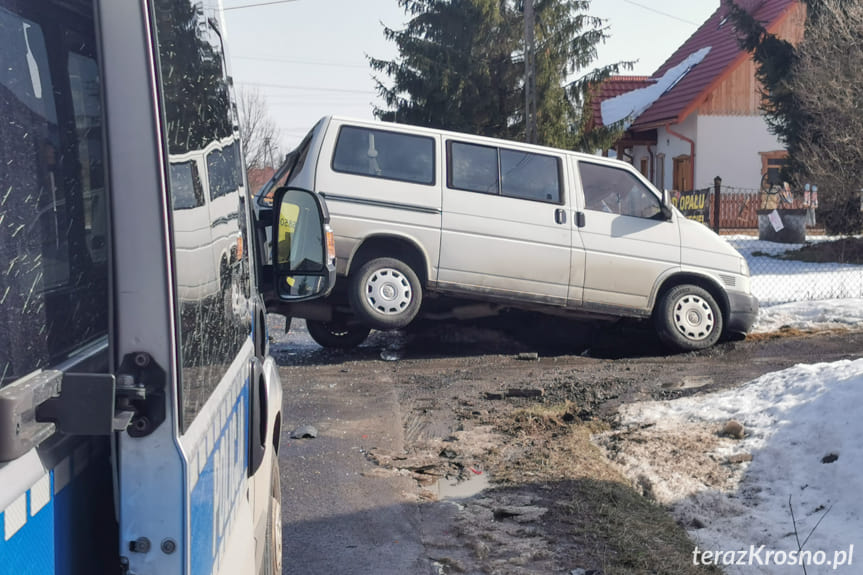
(304, 432)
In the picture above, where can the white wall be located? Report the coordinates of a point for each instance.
(728, 147)
(672, 146)
(639, 152)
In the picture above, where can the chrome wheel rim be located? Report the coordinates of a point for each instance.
(693, 317)
(388, 291)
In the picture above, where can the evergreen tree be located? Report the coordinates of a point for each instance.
(461, 67)
(811, 99)
(455, 69)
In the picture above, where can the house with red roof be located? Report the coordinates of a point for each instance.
(698, 116)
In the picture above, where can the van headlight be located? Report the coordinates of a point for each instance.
(744, 267)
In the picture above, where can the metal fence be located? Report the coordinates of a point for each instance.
(813, 267)
(776, 278)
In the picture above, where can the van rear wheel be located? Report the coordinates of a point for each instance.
(385, 293)
(337, 334)
(688, 318)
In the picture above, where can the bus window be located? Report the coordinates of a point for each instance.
(209, 260)
(53, 206)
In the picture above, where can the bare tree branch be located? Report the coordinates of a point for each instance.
(829, 89)
(259, 134)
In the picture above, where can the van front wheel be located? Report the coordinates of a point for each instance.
(688, 318)
(385, 293)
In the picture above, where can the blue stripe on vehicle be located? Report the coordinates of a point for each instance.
(219, 485)
(30, 548)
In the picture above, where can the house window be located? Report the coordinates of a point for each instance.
(771, 167)
(682, 172)
(644, 168)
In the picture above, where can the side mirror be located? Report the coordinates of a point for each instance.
(665, 207)
(303, 246)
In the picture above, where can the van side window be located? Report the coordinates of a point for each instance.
(473, 168)
(387, 155)
(613, 190)
(529, 176)
(510, 173)
(53, 201)
(186, 188)
(220, 172)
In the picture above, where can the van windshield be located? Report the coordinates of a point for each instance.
(292, 165)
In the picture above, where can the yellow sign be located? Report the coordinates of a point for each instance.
(288, 216)
(693, 205)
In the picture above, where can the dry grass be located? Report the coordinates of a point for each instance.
(615, 528)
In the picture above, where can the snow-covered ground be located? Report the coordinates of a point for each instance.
(776, 281)
(802, 295)
(802, 427)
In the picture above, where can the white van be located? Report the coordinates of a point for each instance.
(421, 212)
(204, 188)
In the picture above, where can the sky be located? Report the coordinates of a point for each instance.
(308, 57)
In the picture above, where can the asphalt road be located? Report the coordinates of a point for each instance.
(343, 514)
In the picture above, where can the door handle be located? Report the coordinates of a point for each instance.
(258, 415)
(579, 219)
(560, 216)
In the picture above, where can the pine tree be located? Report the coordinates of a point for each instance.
(461, 67)
(455, 69)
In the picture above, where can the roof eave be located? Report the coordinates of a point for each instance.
(702, 96)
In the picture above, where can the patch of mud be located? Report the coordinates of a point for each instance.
(449, 489)
(441, 466)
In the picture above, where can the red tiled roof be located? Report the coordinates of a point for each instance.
(258, 177)
(612, 87)
(721, 36)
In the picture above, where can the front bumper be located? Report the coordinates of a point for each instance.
(742, 312)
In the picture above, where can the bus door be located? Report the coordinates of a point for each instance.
(197, 479)
(56, 503)
(139, 407)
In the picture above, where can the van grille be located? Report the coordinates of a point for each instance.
(729, 281)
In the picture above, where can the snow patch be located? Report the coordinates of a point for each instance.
(632, 104)
(793, 419)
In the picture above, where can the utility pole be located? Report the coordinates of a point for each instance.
(529, 74)
(268, 153)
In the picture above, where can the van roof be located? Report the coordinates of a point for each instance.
(473, 137)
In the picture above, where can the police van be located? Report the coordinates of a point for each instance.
(140, 410)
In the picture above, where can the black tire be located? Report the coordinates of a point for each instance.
(688, 318)
(272, 560)
(337, 334)
(385, 293)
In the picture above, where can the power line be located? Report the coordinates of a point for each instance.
(303, 62)
(259, 4)
(312, 88)
(666, 14)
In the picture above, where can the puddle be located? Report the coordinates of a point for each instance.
(449, 489)
(391, 354)
(689, 382)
